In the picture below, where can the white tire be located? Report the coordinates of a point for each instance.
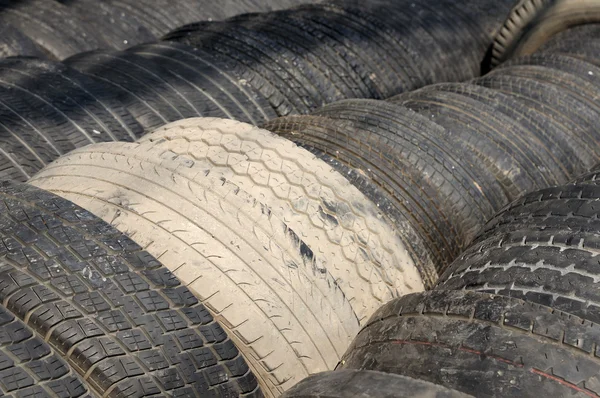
(286, 253)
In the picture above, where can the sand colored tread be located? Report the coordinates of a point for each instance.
(287, 265)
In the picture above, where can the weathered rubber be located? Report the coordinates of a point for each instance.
(542, 248)
(367, 384)
(432, 199)
(532, 23)
(481, 344)
(111, 310)
(29, 367)
(279, 246)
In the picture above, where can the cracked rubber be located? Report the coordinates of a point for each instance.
(406, 165)
(29, 367)
(481, 344)
(367, 384)
(49, 109)
(280, 247)
(542, 248)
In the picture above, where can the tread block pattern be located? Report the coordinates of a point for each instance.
(483, 345)
(317, 257)
(29, 367)
(542, 248)
(116, 315)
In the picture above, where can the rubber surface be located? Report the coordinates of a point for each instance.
(506, 147)
(316, 260)
(367, 384)
(118, 317)
(29, 367)
(50, 25)
(16, 43)
(533, 22)
(480, 344)
(579, 41)
(416, 177)
(48, 109)
(542, 248)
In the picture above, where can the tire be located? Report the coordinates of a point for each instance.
(554, 96)
(332, 48)
(238, 101)
(367, 384)
(533, 22)
(579, 42)
(117, 316)
(50, 25)
(115, 25)
(420, 185)
(15, 43)
(541, 249)
(503, 144)
(47, 110)
(314, 265)
(480, 344)
(563, 142)
(29, 367)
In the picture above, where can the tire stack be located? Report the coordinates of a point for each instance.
(250, 68)
(57, 29)
(516, 315)
(291, 238)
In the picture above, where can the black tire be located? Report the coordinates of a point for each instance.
(542, 248)
(50, 25)
(556, 95)
(250, 67)
(48, 110)
(582, 42)
(335, 44)
(480, 344)
(237, 100)
(29, 367)
(16, 43)
(367, 384)
(115, 25)
(563, 142)
(117, 316)
(420, 184)
(506, 148)
(533, 22)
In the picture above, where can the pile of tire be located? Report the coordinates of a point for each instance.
(212, 257)
(250, 68)
(293, 248)
(57, 29)
(516, 315)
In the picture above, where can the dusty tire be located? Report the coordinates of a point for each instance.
(533, 22)
(502, 144)
(29, 367)
(313, 265)
(367, 384)
(48, 109)
(117, 316)
(50, 25)
(392, 157)
(480, 344)
(15, 43)
(561, 140)
(541, 249)
(237, 99)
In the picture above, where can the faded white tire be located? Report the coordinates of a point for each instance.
(532, 22)
(285, 252)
